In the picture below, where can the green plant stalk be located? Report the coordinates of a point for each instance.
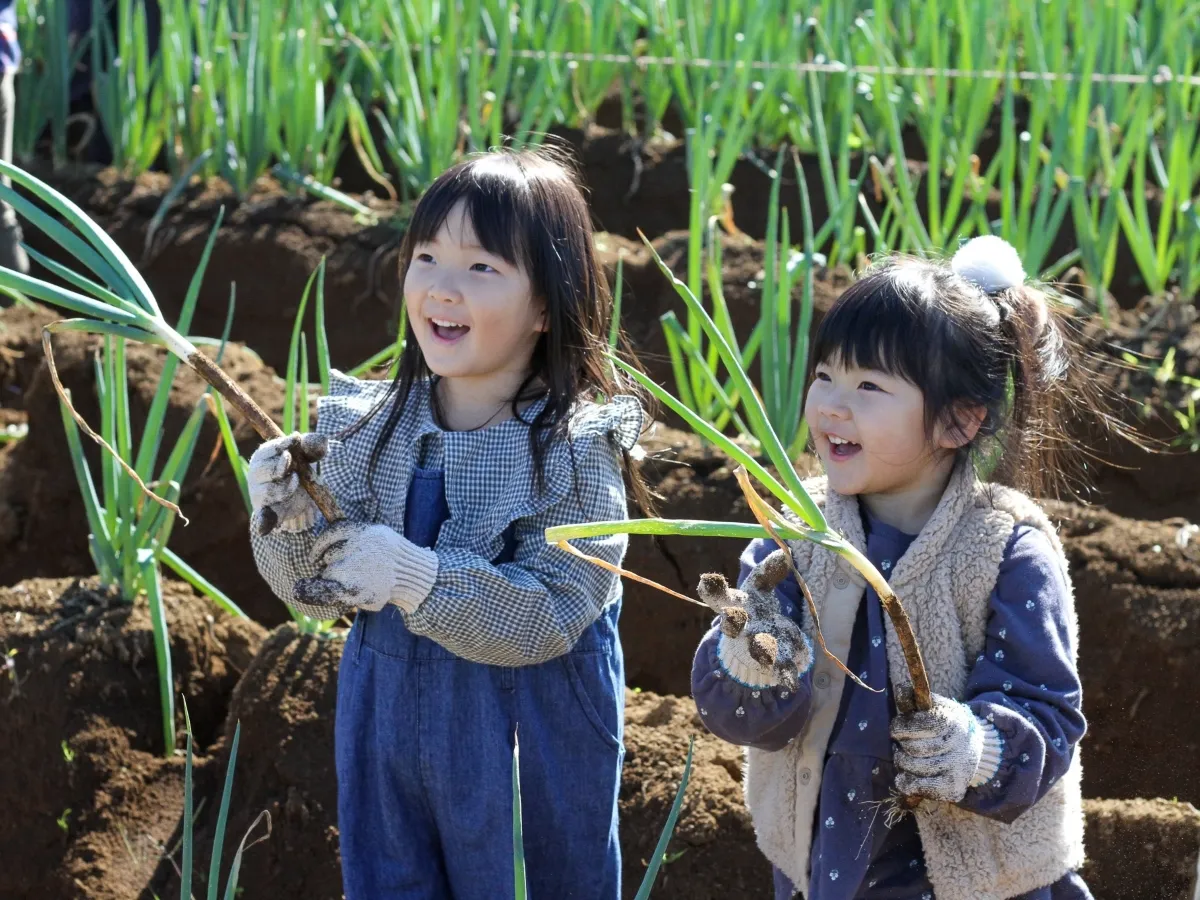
(214, 866)
(519, 882)
(660, 849)
(152, 581)
(755, 414)
(136, 309)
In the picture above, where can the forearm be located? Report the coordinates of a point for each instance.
(283, 558)
(516, 614)
(1038, 740)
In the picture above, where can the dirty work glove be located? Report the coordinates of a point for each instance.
(368, 566)
(943, 751)
(275, 492)
(758, 646)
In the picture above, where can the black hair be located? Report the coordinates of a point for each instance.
(527, 207)
(1008, 352)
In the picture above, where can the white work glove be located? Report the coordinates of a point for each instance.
(276, 496)
(939, 752)
(759, 646)
(368, 566)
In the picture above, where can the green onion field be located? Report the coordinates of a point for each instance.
(236, 177)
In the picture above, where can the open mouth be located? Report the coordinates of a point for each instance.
(445, 330)
(840, 448)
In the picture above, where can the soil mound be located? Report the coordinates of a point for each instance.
(91, 800)
(1137, 593)
(43, 526)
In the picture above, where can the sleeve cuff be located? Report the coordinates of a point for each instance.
(416, 572)
(993, 753)
(734, 657)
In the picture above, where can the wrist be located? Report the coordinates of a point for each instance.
(733, 656)
(415, 570)
(989, 744)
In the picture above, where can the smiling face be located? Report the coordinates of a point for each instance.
(472, 312)
(869, 430)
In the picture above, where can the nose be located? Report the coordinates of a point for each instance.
(830, 405)
(444, 289)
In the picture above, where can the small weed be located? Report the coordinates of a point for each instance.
(62, 821)
(8, 666)
(68, 753)
(1185, 413)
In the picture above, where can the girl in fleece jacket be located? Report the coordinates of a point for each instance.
(923, 369)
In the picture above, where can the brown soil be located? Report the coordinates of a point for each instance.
(83, 684)
(1141, 849)
(285, 765)
(714, 850)
(1166, 482)
(43, 527)
(1138, 598)
(285, 704)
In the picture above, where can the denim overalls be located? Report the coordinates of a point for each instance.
(424, 743)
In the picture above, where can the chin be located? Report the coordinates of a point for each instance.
(845, 483)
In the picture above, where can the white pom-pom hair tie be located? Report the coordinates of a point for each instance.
(990, 262)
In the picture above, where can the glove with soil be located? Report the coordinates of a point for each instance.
(275, 492)
(759, 646)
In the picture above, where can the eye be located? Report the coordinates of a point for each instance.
(482, 267)
(869, 386)
(822, 375)
(424, 257)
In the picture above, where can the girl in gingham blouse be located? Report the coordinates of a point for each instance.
(469, 629)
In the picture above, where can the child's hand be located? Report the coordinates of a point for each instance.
(938, 751)
(759, 645)
(275, 491)
(367, 566)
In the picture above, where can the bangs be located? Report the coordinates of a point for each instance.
(498, 203)
(883, 322)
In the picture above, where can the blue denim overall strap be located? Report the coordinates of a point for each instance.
(424, 757)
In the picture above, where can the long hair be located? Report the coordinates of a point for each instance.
(526, 206)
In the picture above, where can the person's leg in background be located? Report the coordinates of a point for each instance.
(12, 254)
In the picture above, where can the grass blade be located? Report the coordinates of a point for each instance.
(666, 528)
(323, 364)
(797, 498)
(214, 866)
(519, 885)
(664, 839)
(152, 581)
(185, 876)
(710, 434)
(200, 583)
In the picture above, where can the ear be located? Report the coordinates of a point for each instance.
(542, 322)
(961, 425)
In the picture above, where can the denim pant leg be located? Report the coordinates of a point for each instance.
(389, 840)
(571, 723)
(568, 717)
(466, 755)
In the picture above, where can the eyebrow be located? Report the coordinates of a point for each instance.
(437, 239)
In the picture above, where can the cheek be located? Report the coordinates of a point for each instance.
(810, 402)
(413, 290)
